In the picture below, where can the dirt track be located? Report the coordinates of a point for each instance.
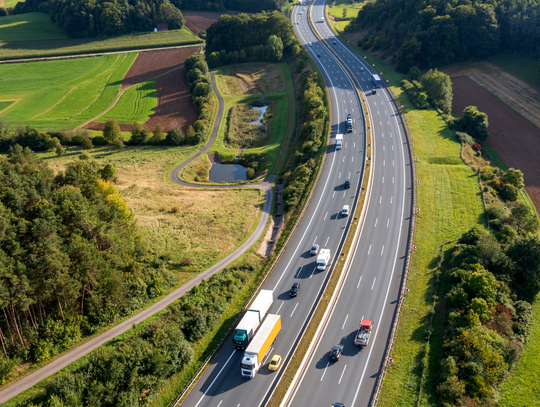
(515, 139)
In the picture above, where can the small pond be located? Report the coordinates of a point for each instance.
(227, 172)
(262, 110)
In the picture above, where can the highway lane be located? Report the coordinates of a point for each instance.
(372, 286)
(222, 384)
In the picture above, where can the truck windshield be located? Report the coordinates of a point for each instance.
(247, 367)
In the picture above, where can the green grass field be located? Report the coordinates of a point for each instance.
(339, 5)
(137, 104)
(521, 66)
(36, 37)
(278, 127)
(22, 27)
(10, 3)
(64, 94)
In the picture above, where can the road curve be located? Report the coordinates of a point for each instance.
(32, 379)
(371, 287)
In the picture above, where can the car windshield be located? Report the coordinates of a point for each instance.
(274, 362)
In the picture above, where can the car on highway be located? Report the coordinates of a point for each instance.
(349, 117)
(336, 352)
(347, 183)
(373, 91)
(295, 289)
(310, 44)
(319, 55)
(345, 211)
(361, 69)
(314, 250)
(275, 363)
(338, 405)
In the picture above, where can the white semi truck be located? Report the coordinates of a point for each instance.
(259, 346)
(251, 320)
(323, 259)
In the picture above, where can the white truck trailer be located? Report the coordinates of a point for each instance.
(251, 320)
(339, 141)
(323, 259)
(259, 346)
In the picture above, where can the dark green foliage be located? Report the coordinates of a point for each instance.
(88, 18)
(131, 374)
(474, 123)
(262, 37)
(523, 219)
(438, 87)
(509, 193)
(221, 5)
(68, 255)
(111, 131)
(440, 32)
(414, 91)
(514, 177)
(488, 306)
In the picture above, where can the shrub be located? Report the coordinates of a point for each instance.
(464, 137)
(496, 212)
(509, 193)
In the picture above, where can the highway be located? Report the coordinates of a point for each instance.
(372, 284)
(222, 384)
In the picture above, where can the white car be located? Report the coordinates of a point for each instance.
(345, 210)
(310, 44)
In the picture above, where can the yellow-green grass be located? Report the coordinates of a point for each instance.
(523, 385)
(23, 27)
(336, 10)
(10, 3)
(62, 94)
(17, 49)
(450, 203)
(279, 127)
(137, 104)
(201, 224)
(251, 78)
(523, 67)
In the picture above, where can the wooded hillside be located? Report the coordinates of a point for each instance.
(439, 32)
(68, 257)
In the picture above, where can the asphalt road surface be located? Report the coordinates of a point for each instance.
(222, 384)
(372, 285)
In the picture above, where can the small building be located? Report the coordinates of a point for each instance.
(163, 27)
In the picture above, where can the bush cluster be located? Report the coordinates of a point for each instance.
(313, 135)
(507, 183)
(493, 281)
(416, 93)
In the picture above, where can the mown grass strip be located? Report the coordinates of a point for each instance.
(10, 50)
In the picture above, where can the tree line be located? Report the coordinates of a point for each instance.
(70, 256)
(238, 5)
(440, 32)
(89, 18)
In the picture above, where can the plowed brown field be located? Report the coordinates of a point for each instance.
(150, 64)
(515, 139)
(198, 21)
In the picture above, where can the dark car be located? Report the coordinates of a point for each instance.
(293, 292)
(347, 184)
(349, 117)
(318, 54)
(373, 91)
(314, 249)
(338, 405)
(336, 352)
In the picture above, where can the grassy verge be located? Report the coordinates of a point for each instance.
(282, 125)
(449, 197)
(21, 49)
(335, 9)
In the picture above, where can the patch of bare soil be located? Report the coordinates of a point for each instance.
(514, 138)
(514, 92)
(198, 21)
(150, 64)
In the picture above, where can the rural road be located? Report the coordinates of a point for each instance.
(63, 361)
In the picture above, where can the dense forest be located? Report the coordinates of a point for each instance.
(90, 18)
(242, 32)
(70, 257)
(439, 32)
